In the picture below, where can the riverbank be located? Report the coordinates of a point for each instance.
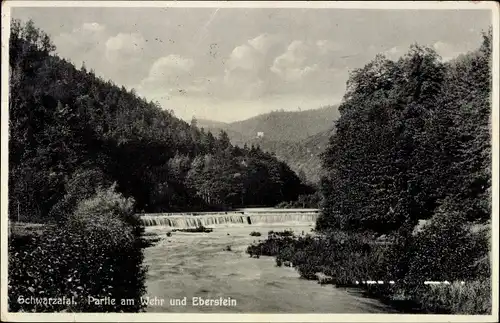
(390, 270)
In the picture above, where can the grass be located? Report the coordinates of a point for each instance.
(26, 229)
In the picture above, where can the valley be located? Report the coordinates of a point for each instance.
(297, 137)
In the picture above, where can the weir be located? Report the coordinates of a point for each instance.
(243, 218)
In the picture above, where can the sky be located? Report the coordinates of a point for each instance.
(229, 64)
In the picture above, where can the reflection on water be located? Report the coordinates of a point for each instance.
(195, 265)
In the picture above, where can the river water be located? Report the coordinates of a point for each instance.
(187, 265)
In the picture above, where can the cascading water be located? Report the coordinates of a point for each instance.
(302, 217)
(183, 221)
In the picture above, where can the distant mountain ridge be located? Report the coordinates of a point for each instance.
(277, 125)
(296, 137)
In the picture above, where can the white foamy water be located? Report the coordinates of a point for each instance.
(246, 217)
(199, 265)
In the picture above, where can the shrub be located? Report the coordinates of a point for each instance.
(445, 243)
(255, 234)
(446, 249)
(284, 233)
(195, 230)
(95, 253)
(105, 204)
(81, 185)
(472, 297)
(303, 201)
(284, 205)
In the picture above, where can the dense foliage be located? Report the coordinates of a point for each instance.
(97, 253)
(303, 202)
(413, 135)
(71, 132)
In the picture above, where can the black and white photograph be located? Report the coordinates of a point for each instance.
(215, 161)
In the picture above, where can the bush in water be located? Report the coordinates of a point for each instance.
(95, 253)
(195, 230)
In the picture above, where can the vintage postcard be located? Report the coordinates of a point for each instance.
(264, 161)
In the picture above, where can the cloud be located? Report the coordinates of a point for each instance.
(396, 52)
(80, 41)
(242, 72)
(247, 67)
(125, 48)
(326, 47)
(116, 57)
(305, 59)
(252, 55)
(171, 64)
(263, 66)
(242, 83)
(85, 43)
(171, 73)
(243, 57)
(264, 42)
(447, 51)
(267, 65)
(291, 65)
(93, 27)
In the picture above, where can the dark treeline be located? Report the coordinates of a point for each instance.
(413, 138)
(71, 132)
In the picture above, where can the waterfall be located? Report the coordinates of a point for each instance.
(302, 217)
(192, 220)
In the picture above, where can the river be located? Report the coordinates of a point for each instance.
(198, 265)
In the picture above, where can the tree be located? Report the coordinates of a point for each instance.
(404, 142)
(194, 122)
(224, 141)
(302, 176)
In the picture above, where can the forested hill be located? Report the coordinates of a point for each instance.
(286, 126)
(296, 138)
(71, 132)
(303, 156)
